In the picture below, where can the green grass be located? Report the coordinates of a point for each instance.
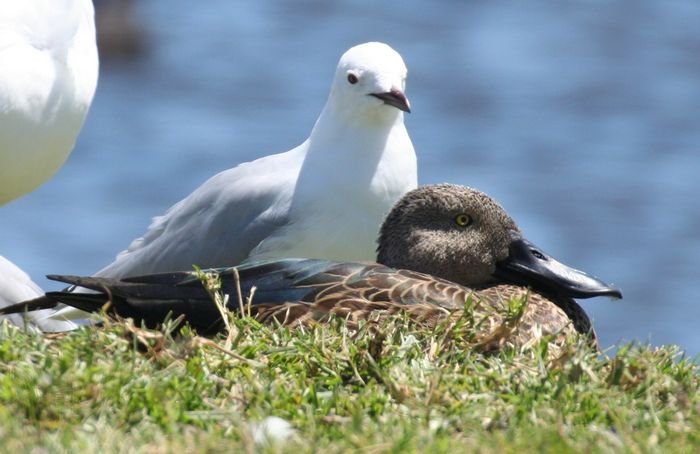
(393, 387)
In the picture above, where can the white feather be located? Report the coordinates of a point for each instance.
(48, 75)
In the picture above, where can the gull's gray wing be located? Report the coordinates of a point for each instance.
(219, 223)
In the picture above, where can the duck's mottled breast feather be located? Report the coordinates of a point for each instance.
(301, 291)
(315, 281)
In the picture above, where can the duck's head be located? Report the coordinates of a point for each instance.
(370, 79)
(462, 235)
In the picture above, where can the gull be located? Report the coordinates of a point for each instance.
(16, 286)
(48, 76)
(322, 199)
(439, 248)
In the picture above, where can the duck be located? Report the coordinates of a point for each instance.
(444, 251)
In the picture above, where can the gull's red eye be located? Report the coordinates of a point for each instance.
(352, 78)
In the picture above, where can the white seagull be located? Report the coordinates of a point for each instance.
(15, 287)
(48, 76)
(323, 199)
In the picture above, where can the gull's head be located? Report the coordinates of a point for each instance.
(370, 79)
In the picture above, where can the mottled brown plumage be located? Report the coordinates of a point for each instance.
(376, 292)
(449, 253)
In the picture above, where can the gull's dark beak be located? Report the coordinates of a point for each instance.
(395, 98)
(528, 265)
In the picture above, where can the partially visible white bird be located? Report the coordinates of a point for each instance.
(15, 287)
(48, 76)
(323, 199)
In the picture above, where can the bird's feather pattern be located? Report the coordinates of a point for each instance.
(302, 292)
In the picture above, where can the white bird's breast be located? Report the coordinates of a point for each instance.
(48, 76)
(337, 213)
(15, 287)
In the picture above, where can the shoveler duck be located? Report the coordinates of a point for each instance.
(440, 247)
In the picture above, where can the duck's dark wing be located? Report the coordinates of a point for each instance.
(301, 291)
(290, 291)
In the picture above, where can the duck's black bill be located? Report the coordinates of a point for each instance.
(528, 265)
(394, 98)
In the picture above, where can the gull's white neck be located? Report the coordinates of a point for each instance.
(355, 168)
(347, 149)
(49, 67)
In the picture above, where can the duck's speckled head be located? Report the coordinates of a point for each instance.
(461, 234)
(446, 230)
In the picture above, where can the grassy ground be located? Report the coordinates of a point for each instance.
(394, 387)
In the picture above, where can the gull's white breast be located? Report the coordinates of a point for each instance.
(48, 76)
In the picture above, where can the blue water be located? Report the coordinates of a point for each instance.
(581, 118)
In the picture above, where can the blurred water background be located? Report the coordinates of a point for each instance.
(580, 117)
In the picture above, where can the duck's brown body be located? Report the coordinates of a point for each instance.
(297, 292)
(375, 292)
(508, 289)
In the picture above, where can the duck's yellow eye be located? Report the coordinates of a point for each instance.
(463, 220)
